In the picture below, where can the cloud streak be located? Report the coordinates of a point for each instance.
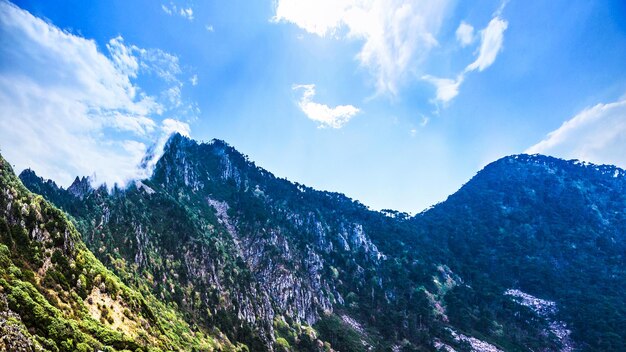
(491, 39)
(596, 134)
(335, 117)
(67, 109)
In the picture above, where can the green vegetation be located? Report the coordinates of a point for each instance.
(48, 279)
(549, 227)
(339, 335)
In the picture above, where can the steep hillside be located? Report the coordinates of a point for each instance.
(278, 265)
(56, 296)
(555, 229)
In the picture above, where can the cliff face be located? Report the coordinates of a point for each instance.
(278, 265)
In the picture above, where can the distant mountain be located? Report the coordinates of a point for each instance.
(529, 249)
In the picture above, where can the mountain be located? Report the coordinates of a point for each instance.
(554, 228)
(528, 255)
(234, 247)
(56, 296)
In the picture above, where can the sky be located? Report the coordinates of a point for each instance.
(396, 103)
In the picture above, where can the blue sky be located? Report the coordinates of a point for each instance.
(395, 103)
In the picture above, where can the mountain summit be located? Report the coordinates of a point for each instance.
(528, 255)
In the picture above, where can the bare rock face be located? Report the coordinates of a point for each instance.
(80, 188)
(475, 344)
(547, 310)
(13, 333)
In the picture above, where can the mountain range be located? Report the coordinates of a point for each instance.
(215, 253)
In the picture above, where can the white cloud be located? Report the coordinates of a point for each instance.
(465, 34)
(447, 88)
(174, 95)
(596, 134)
(194, 80)
(397, 34)
(67, 109)
(152, 155)
(170, 126)
(491, 39)
(424, 120)
(138, 125)
(209, 28)
(326, 116)
(319, 17)
(160, 63)
(122, 56)
(167, 10)
(500, 9)
(187, 13)
(172, 9)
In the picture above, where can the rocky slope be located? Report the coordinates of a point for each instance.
(278, 265)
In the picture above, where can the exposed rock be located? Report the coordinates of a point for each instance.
(476, 344)
(80, 187)
(14, 337)
(547, 310)
(143, 187)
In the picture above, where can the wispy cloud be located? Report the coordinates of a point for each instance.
(596, 134)
(167, 10)
(170, 126)
(491, 40)
(172, 9)
(68, 109)
(396, 34)
(465, 34)
(186, 13)
(447, 88)
(334, 117)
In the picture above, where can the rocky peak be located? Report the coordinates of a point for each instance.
(29, 176)
(177, 141)
(80, 187)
